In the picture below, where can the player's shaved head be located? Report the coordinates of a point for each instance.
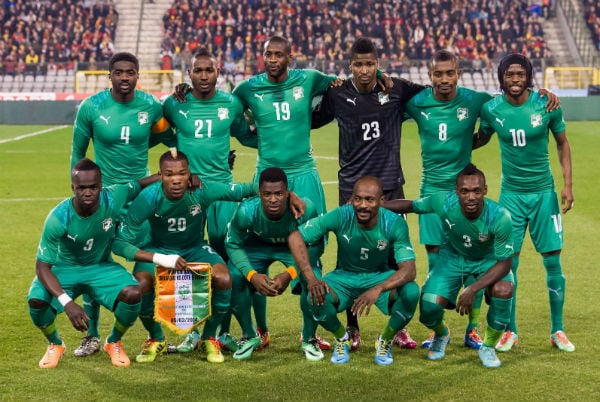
(369, 181)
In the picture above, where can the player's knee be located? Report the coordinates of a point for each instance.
(145, 280)
(37, 303)
(221, 279)
(130, 294)
(431, 312)
(503, 289)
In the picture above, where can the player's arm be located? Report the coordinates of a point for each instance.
(241, 130)
(323, 113)
(564, 156)
(484, 133)
(464, 304)
(229, 192)
(82, 134)
(316, 288)
(399, 206)
(79, 319)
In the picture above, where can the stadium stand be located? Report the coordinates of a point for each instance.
(44, 40)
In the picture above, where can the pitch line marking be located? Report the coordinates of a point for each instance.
(21, 137)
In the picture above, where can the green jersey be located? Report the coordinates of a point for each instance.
(523, 137)
(282, 114)
(203, 130)
(72, 240)
(250, 229)
(488, 236)
(120, 133)
(175, 225)
(362, 250)
(446, 132)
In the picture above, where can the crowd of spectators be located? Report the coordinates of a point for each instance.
(592, 19)
(407, 32)
(38, 36)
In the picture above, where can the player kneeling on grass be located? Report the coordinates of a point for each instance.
(478, 242)
(74, 256)
(362, 278)
(177, 218)
(257, 237)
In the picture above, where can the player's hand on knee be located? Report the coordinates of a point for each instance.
(464, 304)
(317, 290)
(79, 319)
(362, 304)
(172, 261)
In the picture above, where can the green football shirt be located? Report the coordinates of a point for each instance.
(203, 131)
(282, 114)
(120, 133)
(362, 250)
(175, 225)
(446, 131)
(72, 240)
(523, 134)
(488, 236)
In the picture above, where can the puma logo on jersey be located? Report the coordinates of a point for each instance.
(555, 291)
(41, 249)
(74, 238)
(259, 96)
(501, 121)
(450, 224)
(508, 246)
(353, 101)
(181, 112)
(345, 236)
(426, 115)
(105, 119)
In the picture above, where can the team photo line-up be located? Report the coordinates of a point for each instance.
(472, 242)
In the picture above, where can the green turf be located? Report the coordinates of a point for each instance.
(34, 176)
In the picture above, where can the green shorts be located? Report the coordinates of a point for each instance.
(539, 211)
(103, 282)
(431, 231)
(349, 285)
(203, 253)
(450, 273)
(218, 216)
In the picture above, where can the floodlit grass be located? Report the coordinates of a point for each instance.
(34, 173)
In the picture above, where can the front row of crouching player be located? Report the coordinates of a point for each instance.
(78, 236)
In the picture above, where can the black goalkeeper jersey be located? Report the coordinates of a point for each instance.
(370, 126)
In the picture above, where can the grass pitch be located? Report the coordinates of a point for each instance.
(34, 166)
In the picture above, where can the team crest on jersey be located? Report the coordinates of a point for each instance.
(382, 245)
(536, 120)
(107, 224)
(483, 237)
(383, 98)
(143, 118)
(298, 92)
(462, 113)
(195, 209)
(223, 113)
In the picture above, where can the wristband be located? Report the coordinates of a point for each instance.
(165, 260)
(250, 275)
(292, 271)
(64, 299)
